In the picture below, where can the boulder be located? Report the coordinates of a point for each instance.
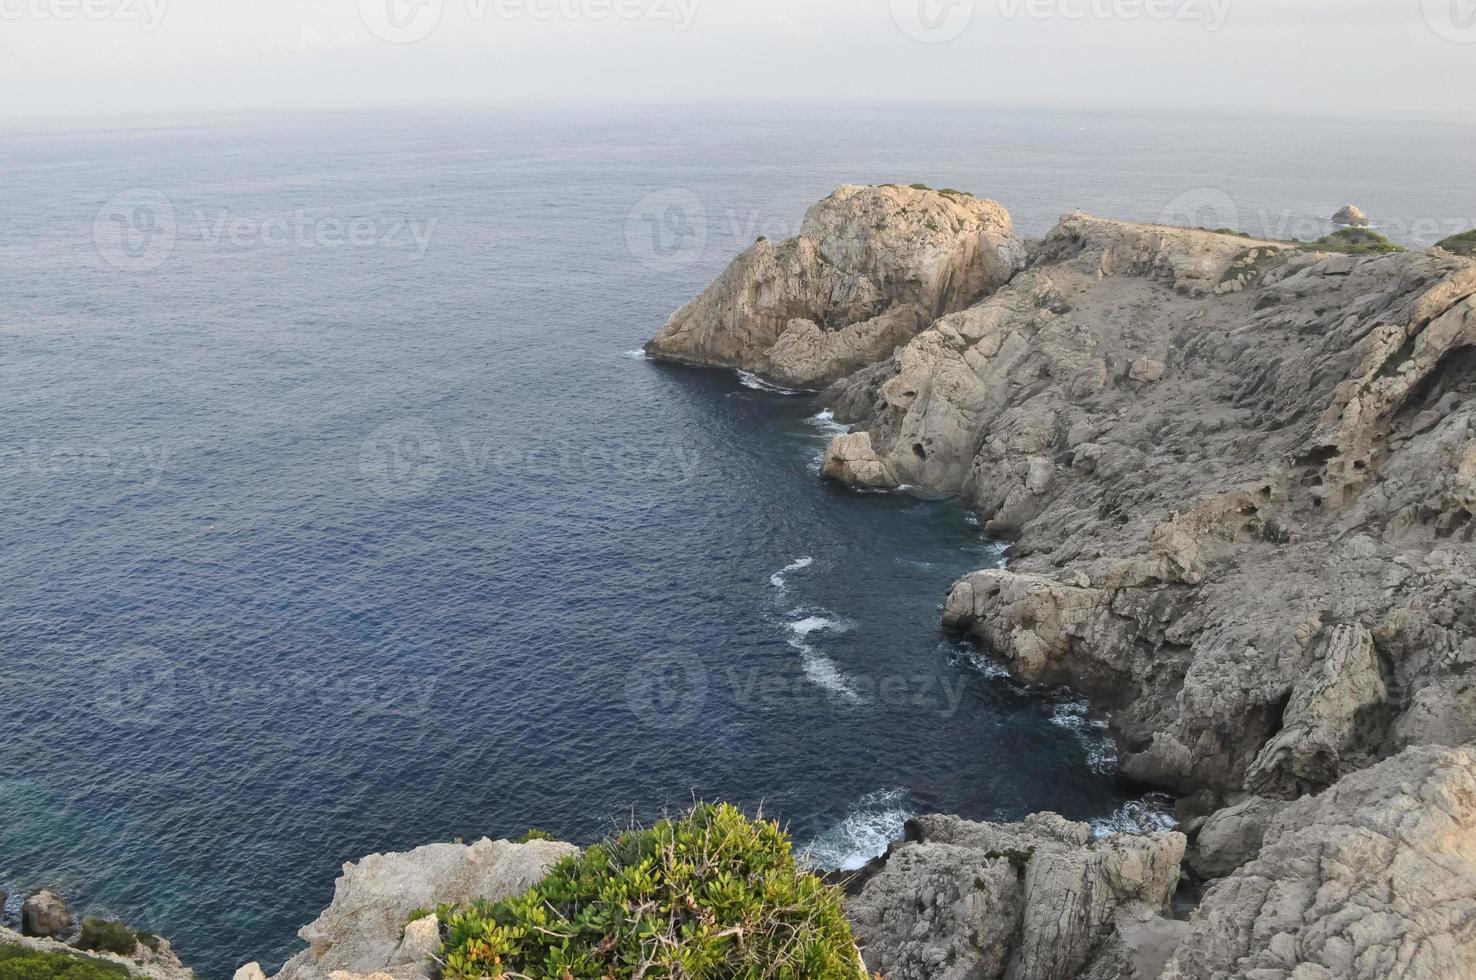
(1350, 216)
(45, 914)
(367, 928)
(1232, 836)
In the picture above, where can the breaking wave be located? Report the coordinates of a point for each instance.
(872, 825)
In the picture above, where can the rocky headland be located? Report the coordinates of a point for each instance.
(1238, 478)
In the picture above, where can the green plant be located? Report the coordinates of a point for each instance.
(1356, 241)
(534, 834)
(150, 940)
(19, 963)
(950, 192)
(107, 937)
(711, 894)
(920, 187)
(1462, 244)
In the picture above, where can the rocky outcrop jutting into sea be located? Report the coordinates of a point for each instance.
(870, 268)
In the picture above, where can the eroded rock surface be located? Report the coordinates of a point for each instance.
(1037, 899)
(1375, 878)
(1240, 479)
(870, 268)
(364, 931)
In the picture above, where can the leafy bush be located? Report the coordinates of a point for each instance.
(1462, 244)
(107, 937)
(920, 187)
(712, 894)
(534, 834)
(1356, 241)
(19, 963)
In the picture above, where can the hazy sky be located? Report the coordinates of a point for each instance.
(1414, 57)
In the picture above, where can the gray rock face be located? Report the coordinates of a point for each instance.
(870, 268)
(1351, 216)
(1261, 557)
(1375, 878)
(1037, 899)
(44, 914)
(1233, 836)
(364, 931)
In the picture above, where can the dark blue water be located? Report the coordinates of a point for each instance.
(335, 516)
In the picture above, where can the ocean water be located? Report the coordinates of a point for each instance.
(339, 515)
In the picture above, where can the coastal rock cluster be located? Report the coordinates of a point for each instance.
(1238, 477)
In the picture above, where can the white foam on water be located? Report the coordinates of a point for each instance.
(823, 671)
(1093, 733)
(826, 423)
(636, 355)
(777, 580)
(814, 624)
(873, 823)
(750, 380)
(1145, 816)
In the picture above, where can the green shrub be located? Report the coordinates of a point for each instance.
(1462, 244)
(950, 192)
(712, 894)
(99, 935)
(19, 963)
(534, 834)
(1356, 241)
(920, 187)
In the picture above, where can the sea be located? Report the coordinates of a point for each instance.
(340, 512)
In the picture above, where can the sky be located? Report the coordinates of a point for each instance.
(114, 57)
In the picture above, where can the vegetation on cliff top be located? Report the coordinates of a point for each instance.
(20, 963)
(1462, 244)
(1356, 241)
(712, 894)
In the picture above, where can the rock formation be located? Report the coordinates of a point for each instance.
(971, 901)
(870, 268)
(1351, 216)
(152, 962)
(1239, 478)
(45, 915)
(367, 931)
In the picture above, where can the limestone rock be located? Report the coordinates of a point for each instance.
(145, 963)
(251, 971)
(361, 931)
(1233, 836)
(1375, 878)
(1350, 216)
(968, 901)
(44, 914)
(862, 253)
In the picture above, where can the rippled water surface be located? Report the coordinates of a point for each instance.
(337, 516)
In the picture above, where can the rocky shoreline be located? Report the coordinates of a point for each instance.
(1238, 478)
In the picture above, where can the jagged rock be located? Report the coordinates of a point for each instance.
(863, 258)
(1322, 720)
(1350, 216)
(1375, 878)
(1233, 836)
(1194, 527)
(251, 971)
(364, 930)
(45, 915)
(1164, 762)
(968, 901)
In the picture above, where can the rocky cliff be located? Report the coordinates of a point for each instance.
(1239, 479)
(870, 268)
